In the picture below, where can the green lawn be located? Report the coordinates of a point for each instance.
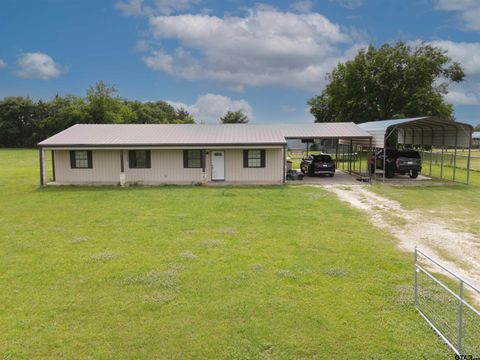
(198, 272)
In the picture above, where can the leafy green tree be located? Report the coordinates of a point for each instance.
(234, 117)
(106, 107)
(59, 114)
(388, 82)
(17, 121)
(184, 117)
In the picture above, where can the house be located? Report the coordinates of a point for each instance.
(476, 138)
(151, 154)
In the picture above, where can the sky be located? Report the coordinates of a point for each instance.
(265, 58)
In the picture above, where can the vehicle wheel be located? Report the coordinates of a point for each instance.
(413, 174)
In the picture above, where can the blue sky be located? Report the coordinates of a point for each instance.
(265, 58)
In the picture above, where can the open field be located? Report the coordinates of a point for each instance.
(198, 272)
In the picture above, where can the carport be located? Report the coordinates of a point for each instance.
(438, 140)
(340, 133)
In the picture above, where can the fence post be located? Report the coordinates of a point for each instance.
(460, 319)
(415, 277)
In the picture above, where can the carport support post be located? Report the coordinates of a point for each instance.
(441, 163)
(431, 158)
(41, 156)
(441, 160)
(369, 166)
(455, 154)
(350, 157)
(468, 159)
(336, 154)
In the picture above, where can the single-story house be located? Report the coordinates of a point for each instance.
(476, 138)
(151, 154)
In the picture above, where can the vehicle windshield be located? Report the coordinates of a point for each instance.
(322, 158)
(411, 154)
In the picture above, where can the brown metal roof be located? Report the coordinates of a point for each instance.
(165, 135)
(336, 130)
(197, 134)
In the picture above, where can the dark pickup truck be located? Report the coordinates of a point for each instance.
(318, 164)
(400, 162)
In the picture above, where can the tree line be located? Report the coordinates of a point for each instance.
(24, 122)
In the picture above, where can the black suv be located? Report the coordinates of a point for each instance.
(400, 162)
(318, 164)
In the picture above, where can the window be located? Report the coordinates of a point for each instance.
(192, 158)
(253, 158)
(81, 159)
(139, 159)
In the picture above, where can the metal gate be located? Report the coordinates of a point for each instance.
(450, 313)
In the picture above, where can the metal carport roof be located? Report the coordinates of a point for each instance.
(420, 131)
(328, 130)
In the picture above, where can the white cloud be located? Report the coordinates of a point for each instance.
(265, 47)
(288, 109)
(462, 97)
(468, 12)
(210, 107)
(37, 66)
(468, 55)
(349, 4)
(3, 64)
(131, 7)
(302, 6)
(153, 7)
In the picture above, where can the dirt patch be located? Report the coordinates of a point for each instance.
(416, 228)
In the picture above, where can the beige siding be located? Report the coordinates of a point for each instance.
(236, 173)
(106, 168)
(167, 168)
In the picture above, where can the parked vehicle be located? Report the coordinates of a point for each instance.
(294, 175)
(400, 162)
(318, 165)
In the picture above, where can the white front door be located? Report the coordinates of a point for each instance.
(218, 165)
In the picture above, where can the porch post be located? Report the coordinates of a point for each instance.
(53, 164)
(41, 156)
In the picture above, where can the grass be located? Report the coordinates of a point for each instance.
(198, 272)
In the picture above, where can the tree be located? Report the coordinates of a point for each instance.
(477, 128)
(17, 121)
(234, 117)
(184, 117)
(388, 82)
(106, 107)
